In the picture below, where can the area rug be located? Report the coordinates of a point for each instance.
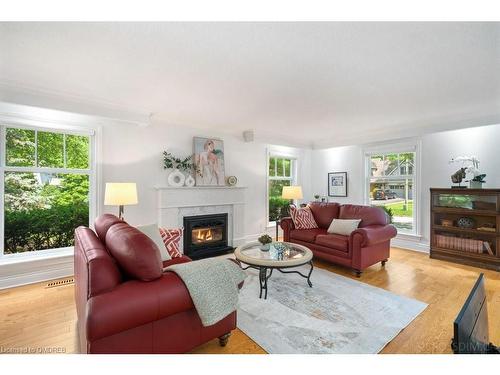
(336, 315)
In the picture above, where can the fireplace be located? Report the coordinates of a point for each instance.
(205, 235)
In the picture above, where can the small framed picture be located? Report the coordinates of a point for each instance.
(337, 184)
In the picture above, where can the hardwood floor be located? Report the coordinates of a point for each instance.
(38, 317)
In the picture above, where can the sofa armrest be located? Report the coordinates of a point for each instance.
(374, 234)
(287, 225)
(135, 303)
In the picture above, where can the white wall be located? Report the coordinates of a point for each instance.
(339, 159)
(436, 151)
(134, 154)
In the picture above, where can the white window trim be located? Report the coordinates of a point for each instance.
(414, 145)
(93, 172)
(293, 169)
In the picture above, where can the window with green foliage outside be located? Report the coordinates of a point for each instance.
(46, 178)
(391, 187)
(281, 173)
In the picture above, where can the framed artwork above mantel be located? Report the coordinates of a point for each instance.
(209, 161)
(337, 184)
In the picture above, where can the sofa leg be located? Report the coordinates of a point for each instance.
(358, 273)
(224, 339)
(384, 262)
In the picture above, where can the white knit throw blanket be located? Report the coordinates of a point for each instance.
(213, 286)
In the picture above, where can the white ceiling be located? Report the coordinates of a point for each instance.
(308, 84)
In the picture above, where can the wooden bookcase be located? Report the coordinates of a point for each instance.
(477, 245)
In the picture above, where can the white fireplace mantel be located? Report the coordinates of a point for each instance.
(174, 203)
(169, 196)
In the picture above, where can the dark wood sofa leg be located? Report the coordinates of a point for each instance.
(384, 262)
(224, 339)
(358, 273)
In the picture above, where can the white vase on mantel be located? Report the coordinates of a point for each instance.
(189, 181)
(176, 178)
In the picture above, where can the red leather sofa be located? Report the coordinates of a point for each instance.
(366, 246)
(117, 314)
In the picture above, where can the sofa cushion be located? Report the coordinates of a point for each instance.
(368, 215)
(343, 227)
(335, 241)
(306, 235)
(103, 223)
(302, 218)
(135, 252)
(324, 213)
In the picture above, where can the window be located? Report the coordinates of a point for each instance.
(391, 186)
(46, 178)
(281, 173)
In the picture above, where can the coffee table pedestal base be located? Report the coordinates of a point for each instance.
(266, 272)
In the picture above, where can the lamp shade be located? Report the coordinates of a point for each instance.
(120, 194)
(291, 192)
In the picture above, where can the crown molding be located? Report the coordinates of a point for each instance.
(415, 129)
(77, 108)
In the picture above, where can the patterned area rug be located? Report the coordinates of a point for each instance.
(336, 315)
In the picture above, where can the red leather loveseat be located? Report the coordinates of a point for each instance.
(366, 246)
(117, 314)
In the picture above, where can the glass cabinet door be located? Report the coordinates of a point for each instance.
(465, 201)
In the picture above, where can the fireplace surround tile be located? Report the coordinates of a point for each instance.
(175, 203)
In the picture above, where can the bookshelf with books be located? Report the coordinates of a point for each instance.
(465, 226)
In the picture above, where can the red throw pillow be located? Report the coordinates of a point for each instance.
(172, 238)
(302, 218)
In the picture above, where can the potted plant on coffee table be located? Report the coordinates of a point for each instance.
(265, 242)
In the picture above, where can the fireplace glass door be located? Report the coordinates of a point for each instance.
(207, 235)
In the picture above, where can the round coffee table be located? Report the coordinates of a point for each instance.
(281, 255)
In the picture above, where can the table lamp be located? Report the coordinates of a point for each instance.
(120, 194)
(291, 192)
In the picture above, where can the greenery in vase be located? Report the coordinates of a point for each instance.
(172, 162)
(265, 239)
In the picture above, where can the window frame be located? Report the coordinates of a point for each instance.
(91, 172)
(292, 178)
(397, 148)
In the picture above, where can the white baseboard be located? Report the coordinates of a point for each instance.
(34, 271)
(410, 244)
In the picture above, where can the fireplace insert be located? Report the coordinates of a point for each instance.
(205, 235)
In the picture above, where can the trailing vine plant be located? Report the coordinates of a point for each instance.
(172, 162)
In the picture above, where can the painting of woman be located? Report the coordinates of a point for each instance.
(209, 159)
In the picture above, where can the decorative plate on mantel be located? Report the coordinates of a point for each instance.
(231, 180)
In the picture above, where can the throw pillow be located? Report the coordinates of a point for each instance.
(171, 238)
(135, 252)
(302, 218)
(343, 226)
(153, 232)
